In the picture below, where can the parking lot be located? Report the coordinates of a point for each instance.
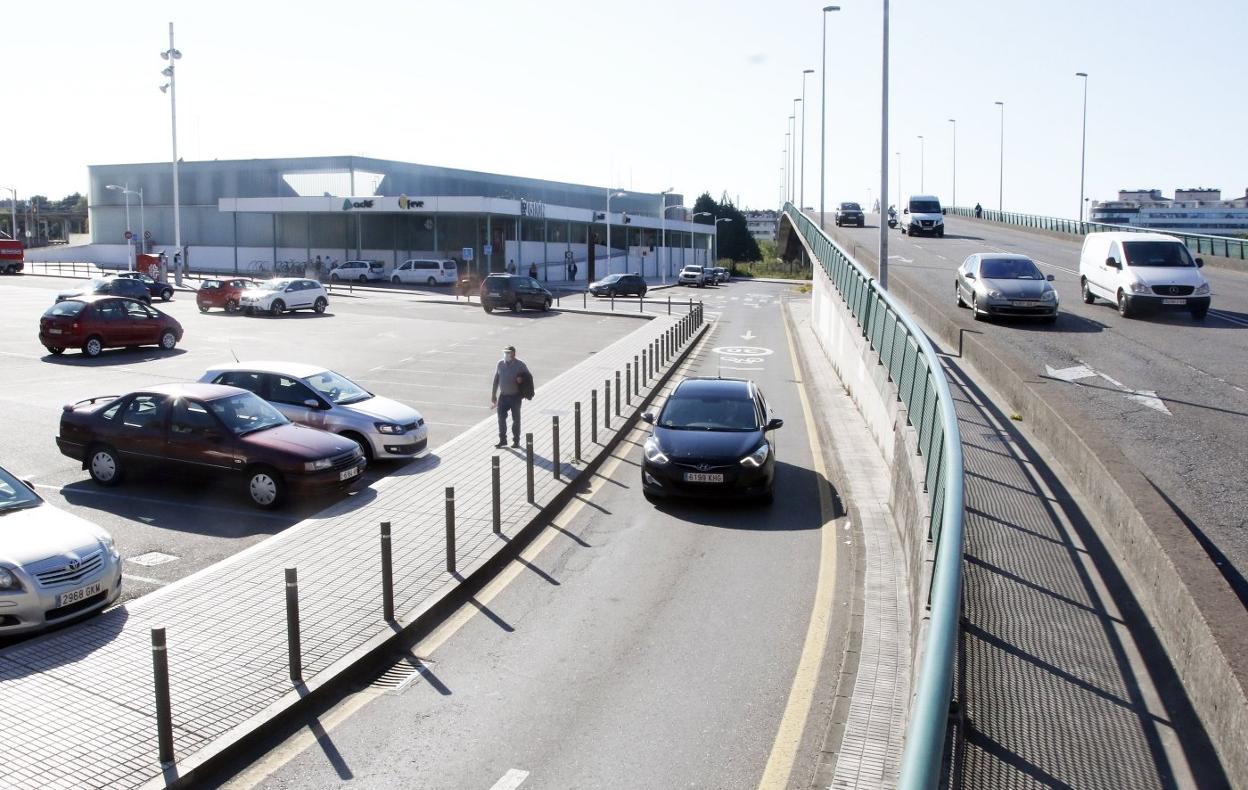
(438, 358)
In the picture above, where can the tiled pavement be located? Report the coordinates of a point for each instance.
(78, 704)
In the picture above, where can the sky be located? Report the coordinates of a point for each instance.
(647, 94)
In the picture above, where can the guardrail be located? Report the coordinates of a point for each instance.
(1198, 243)
(912, 364)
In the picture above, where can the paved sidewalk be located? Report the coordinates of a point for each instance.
(78, 704)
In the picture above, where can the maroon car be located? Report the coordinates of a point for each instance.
(224, 293)
(207, 430)
(95, 322)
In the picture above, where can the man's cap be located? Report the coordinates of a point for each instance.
(512, 349)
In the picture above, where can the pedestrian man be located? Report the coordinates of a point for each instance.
(574, 269)
(319, 267)
(533, 270)
(512, 381)
(511, 266)
(979, 211)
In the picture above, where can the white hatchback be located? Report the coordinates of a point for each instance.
(426, 271)
(284, 294)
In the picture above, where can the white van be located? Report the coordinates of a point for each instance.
(426, 271)
(923, 215)
(1142, 271)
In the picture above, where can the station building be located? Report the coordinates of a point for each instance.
(244, 216)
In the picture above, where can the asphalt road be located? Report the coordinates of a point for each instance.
(437, 358)
(644, 646)
(1173, 391)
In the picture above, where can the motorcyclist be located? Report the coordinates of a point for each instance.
(892, 216)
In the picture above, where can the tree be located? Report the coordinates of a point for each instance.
(735, 242)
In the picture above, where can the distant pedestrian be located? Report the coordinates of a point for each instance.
(979, 211)
(511, 266)
(533, 270)
(574, 270)
(512, 382)
(320, 267)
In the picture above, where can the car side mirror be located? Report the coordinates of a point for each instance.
(970, 275)
(312, 403)
(28, 484)
(774, 423)
(648, 417)
(905, 211)
(1200, 262)
(1113, 264)
(1049, 277)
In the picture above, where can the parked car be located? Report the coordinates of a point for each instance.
(426, 271)
(54, 566)
(154, 288)
(692, 274)
(619, 285)
(1143, 271)
(710, 440)
(923, 216)
(359, 271)
(114, 286)
(94, 323)
(514, 291)
(311, 395)
(284, 294)
(722, 275)
(849, 214)
(226, 294)
(994, 284)
(207, 430)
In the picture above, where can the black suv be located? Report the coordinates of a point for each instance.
(154, 288)
(619, 285)
(514, 291)
(850, 214)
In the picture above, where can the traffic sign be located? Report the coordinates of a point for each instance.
(129, 235)
(487, 249)
(567, 256)
(467, 251)
(147, 234)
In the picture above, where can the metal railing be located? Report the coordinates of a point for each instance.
(1200, 244)
(913, 366)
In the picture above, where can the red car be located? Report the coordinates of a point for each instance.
(207, 430)
(95, 322)
(226, 294)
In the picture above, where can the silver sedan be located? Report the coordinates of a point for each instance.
(994, 284)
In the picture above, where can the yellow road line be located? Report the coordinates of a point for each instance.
(801, 695)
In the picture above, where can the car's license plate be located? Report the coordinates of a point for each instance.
(702, 477)
(495, 294)
(1023, 303)
(74, 596)
(349, 473)
(1174, 301)
(54, 331)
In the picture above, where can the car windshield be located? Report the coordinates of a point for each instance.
(210, 284)
(67, 309)
(271, 285)
(611, 278)
(1157, 253)
(246, 413)
(850, 207)
(924, 207)
(708, 413)
(337, 388)
(693, 269)
(14, 495)
(1009, 269)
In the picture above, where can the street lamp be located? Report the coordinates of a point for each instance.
(793, 155)
(608, 217)
(801, 200)
(954, 199)
(662, 232)
(1083, 145)
(787, 172)
(695, 216)
(898, 175)
(882, 255)
(1001, 161)
(717, 221)
(127, 191)
(173, 55)
(823, 111)
(922, 166)
(13, 208)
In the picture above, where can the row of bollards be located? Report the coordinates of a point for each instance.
(637, 373)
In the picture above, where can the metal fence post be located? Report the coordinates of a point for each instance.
(669, 305)
(613, 301)
(606, 404)
(576, 420)
(292, 625)
(584, 300)
(628, 382)
(554, 456)
(645, 366)
(450, 529)
(617, 393)
(387, 574)
(164, 713)
(528, 456)
(496, 489)
(593, 416)
(636, 375)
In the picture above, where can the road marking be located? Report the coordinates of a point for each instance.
(152, 501)
(748, 335)
(1071, 374)
(511, 780)
(801, 695)
(143, 579)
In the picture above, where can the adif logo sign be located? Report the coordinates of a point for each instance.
(347, 204)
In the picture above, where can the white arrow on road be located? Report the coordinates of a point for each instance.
(899, 258)
(1071, 374)
(1074, 374)
(748, 335)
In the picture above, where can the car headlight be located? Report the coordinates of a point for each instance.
(993, 293)
(1048, 296)
(107, 542)
(8, 581)
(1139, 288)
(940, 220)
(318, 465)
(1202, 289)
(654, 453)
(758, 457)
(388, 427)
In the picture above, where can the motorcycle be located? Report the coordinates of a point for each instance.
(892, 220)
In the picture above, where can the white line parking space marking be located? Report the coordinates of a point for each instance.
(144, 579)
(511, 780)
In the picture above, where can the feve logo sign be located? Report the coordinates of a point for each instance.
(406, 203)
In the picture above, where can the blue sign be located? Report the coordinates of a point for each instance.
(487, 249)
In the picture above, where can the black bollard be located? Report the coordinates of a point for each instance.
(164, 712)
(292, 625)
(450, 529)
(496, 488)
(387, 575)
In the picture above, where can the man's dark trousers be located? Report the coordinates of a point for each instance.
(508, 403)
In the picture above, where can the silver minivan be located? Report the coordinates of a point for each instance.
(426, 271)
(314, 396)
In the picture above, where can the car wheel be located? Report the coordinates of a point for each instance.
(940, 234)
(365, 446)
(975, 308)
(168, 340)
(903, 230)
(249, 310)
(363, 278)
(93, 346)
(431, 281)
(166, 294)
(1088, 296)
(862, 224)
(1198, 314)
(277, 308)
(265, 487)
(55, 351)
(642, 294)
(517, 306)
(651, 498)
(545, 305)
(319, 305)
(957, 293)
(1124, 306)
(487, 307)
(231, 306)
(395, 279)
(1050, 319)
(333, 278)
(104, 465)
(203, 308)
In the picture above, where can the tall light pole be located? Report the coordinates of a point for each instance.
(1083, 144)
(823, 113)
(173, 55)
(662, 232)
(922, 167)
(1001, 161)
(898, 176)
(13, 209)
(793, 155)
(694, 218)
(126, 192)
(801, 195)
(717, 221)
(786, 166)
(610, 195)
(883, 253)
(954, 199)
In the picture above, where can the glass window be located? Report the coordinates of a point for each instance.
(191, 417)
(337, 388)
(248, 380)
(144, 412)
(139, 310)
(1009, 269)
(67, 309)
(113, 409)
(1158, 253)
(210, 285)
(710, 413)
(245, 413)
(110, 310)
(284, 389)
(14, 495)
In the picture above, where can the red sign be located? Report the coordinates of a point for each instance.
(129, 235)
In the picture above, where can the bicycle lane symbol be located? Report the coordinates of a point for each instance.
(747, 358)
